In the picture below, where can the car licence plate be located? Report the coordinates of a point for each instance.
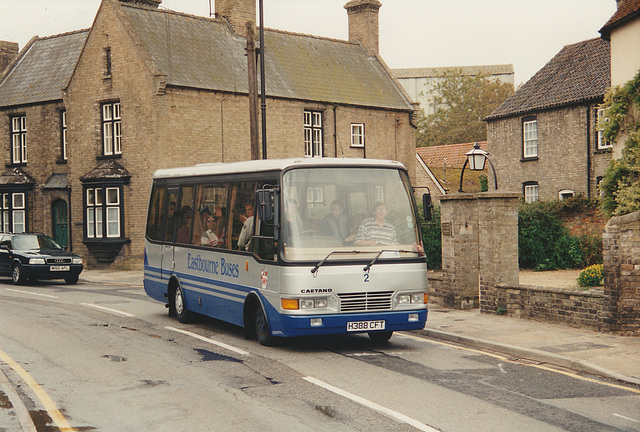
(59, 268)
(365, 325)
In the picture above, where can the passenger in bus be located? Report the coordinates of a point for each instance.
(185, 229)
(220, 226)
(209, 237)
(336, 223)
(376, 230)
(292, 221)
(247, 227)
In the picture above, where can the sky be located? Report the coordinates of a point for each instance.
(413, 33)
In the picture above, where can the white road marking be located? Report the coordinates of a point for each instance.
(626, 418)
(113, 311)
(31, 293)
(367, 403)
(211, 341)
(501, 368)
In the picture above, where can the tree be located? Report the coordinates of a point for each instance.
(462, 102)
(621, 183)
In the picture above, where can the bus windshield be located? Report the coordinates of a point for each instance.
(338, 214)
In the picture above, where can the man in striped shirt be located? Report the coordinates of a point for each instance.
(375, 230)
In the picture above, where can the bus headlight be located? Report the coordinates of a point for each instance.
(413, 299)
(318, 303)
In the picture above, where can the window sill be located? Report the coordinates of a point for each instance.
(16, 165)
(603, 150)
(61, 161)
(529, 159)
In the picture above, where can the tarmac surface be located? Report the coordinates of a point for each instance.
(581, 350)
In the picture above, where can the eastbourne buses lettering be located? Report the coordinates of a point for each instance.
(214, 267)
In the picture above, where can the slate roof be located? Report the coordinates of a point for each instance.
(578, 73)
(629, 10)
(42, 70)
(454, 154)
(203, 53)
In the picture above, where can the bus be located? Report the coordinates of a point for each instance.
(288, 248)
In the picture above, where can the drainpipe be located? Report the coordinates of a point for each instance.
(588, 152)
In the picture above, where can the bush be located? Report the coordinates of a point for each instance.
(591, 276)
(431, 239)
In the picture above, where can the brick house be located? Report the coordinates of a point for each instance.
(622, 31)
(151, 88)
(439, 168)
(544, 139)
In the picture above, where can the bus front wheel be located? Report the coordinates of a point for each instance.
(261, 326)
(380, 336)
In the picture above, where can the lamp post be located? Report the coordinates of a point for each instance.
(476, 159)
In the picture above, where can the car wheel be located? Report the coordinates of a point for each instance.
(261, 325)
(380, 336)
(183, 315)
(71, 279)
(16, 274)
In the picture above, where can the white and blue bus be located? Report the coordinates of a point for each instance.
(288, 248)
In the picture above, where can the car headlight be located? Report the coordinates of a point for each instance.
(36, 261)
(77, 260)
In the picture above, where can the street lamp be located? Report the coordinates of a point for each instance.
(476, 159)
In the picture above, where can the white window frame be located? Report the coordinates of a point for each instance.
(530, 138)
(94, 209)
(357, 135)
(5, 206)
(600, 119)
(19, 139)
(531, 193)
(113, 212)
(313, 133)
(63, 134)
(13, 212)
(111, 129)
(565, 193)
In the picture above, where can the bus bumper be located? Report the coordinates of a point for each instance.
(293, 326)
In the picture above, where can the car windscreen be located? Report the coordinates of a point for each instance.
(34, 242)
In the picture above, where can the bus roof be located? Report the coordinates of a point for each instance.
(271, 165)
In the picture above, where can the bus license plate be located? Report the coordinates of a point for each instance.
(59, 268)
(365, 325)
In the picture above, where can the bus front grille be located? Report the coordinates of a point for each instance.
(365, 301)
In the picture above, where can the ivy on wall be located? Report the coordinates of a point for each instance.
(621, 183)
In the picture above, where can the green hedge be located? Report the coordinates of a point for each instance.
(432, 240)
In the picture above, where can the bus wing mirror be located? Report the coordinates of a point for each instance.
(427, 207)
(264, 199)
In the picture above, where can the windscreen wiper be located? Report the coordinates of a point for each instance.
(317, 266)
(373, 261)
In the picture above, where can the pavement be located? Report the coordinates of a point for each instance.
(582, 350)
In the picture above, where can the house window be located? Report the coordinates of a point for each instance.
(530, 138)
(111, 129)
(530, 192)
(103, 203)
(13, 212)
(566, 193)
(601, 120)
(63, 135)
(19, 139)
(313, 134)
(357, 134)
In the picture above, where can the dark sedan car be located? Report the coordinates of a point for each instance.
(37, 256)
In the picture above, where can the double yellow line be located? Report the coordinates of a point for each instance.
(44, 398)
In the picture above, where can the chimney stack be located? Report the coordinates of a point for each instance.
(8, 52)
(363, 24)
(237, 13)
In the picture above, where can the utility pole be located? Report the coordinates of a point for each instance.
(253, 90)
(263, 98)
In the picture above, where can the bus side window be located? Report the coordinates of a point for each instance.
(183, 235)
(242, 215)
(264, 242)
(157, 212)
(172, 213)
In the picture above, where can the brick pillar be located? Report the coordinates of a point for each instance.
(621, 257)
(459, 221)
(498, 246)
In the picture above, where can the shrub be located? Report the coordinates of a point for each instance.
(431, 239)
(591, 276)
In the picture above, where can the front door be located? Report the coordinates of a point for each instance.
(60, 223)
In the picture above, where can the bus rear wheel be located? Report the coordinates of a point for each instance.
(183, 315)
(261, 326)
(380, 336)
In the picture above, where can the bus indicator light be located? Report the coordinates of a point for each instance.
(290, 304)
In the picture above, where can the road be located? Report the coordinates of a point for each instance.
(107, 358)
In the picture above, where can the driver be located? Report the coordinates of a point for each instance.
(376, 230)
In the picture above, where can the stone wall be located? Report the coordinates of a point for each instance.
(621, 256)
